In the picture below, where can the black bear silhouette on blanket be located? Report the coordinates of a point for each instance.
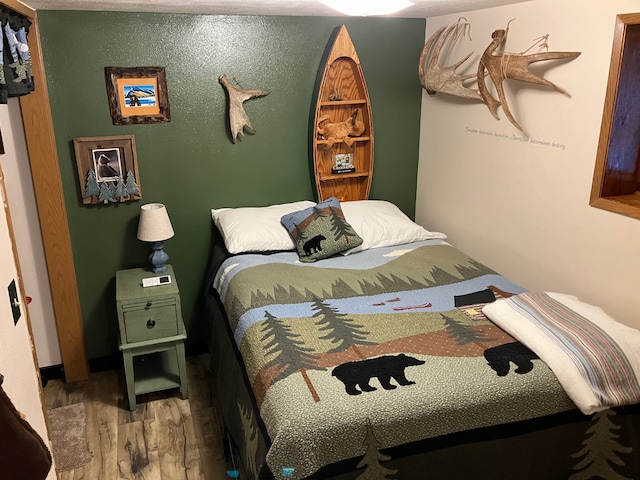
(358, 373)
(500, 358)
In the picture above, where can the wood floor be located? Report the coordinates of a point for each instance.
(165, 438)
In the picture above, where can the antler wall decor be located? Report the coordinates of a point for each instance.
(435, 78)
(494, 62)
(238, 118)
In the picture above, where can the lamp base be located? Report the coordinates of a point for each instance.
(158, 258)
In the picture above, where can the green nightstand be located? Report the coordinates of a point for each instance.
(152, 334)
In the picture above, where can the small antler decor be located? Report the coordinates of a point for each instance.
(238, 118)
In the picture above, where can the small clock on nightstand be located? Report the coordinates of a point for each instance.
(152, 332)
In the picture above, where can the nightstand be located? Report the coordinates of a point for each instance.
(152, 334)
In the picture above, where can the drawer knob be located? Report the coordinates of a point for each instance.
(151, 323)
(149, 304)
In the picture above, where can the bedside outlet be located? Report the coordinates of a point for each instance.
(14, 301)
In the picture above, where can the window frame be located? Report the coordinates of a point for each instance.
(612, 190)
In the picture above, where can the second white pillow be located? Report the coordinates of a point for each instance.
(383, 224)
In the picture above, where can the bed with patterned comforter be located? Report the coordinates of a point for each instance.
(381, 364)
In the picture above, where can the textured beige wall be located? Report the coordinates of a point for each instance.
(521, 206)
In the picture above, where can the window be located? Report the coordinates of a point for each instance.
(616, 179)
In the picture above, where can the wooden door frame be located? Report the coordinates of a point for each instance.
(52, 212)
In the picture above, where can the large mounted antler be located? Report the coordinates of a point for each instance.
(494, 62)
(436, 79)
(515, 66)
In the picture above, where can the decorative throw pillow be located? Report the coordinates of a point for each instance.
(320, 231)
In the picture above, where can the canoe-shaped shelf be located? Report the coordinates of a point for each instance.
(342, 131)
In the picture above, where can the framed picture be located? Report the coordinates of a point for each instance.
(343, 163)
(137, 95)
(107, 169)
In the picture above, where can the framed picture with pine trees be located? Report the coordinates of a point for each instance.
(107, 169)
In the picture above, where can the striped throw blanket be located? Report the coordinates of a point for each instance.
(596, 359)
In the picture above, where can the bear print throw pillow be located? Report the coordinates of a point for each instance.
(320, 231)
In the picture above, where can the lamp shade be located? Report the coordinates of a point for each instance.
(154, 224)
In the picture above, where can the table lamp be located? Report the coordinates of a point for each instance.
(154, 226)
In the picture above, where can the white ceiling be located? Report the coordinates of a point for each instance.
(421, 9)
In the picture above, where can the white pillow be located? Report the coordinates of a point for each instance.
(382, 224)
(256, 229)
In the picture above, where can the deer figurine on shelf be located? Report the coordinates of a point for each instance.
(340, 131)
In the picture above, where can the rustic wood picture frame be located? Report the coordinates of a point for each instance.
(120, 179)
(137, 95)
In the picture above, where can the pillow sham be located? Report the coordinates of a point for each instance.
(320, 231)
(383, 224)
(256, 229)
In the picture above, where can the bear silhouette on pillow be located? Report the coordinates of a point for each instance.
(313, 245)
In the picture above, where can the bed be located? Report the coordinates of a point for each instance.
(375, 358)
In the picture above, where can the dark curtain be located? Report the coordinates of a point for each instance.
(16, 75)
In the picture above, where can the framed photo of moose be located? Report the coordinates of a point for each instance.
(137, 95)
(107, 169)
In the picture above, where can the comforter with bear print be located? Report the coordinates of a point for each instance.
(374, 350)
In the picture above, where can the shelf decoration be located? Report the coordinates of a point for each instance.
(343, 163)
(341, 131)
(107, 169)
(238, 118)
(498, 64)
(137, 95)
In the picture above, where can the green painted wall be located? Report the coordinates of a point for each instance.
(190, 164)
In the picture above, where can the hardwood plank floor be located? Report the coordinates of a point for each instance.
(165, 438)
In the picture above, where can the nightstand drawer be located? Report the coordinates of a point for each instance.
(150, 320)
